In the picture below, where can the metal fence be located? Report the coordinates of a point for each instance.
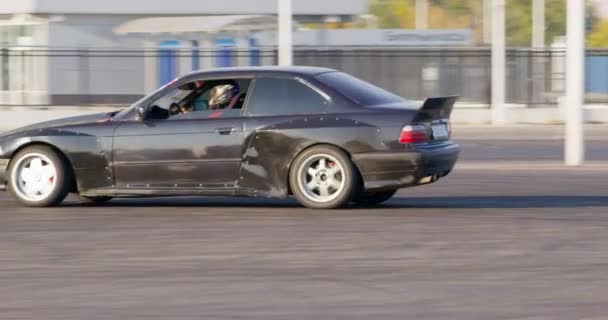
(40, 76)
(533, 77)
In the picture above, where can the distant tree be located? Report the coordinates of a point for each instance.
(555, 20)
(393, 14)
(469, 14)
(598, 38)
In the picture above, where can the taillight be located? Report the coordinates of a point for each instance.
(414, 134)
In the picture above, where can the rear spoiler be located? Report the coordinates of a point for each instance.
(436, 109)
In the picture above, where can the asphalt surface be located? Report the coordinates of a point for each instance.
(526, 143)
(503, 243)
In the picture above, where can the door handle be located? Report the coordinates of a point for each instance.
(225, 131)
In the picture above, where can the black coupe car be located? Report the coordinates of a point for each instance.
(321, 135)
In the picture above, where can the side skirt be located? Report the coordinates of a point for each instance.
(172, 192)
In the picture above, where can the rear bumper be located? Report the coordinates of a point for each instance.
(394, 170)
(3, 169)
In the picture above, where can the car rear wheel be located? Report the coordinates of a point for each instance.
(374, 198)
(323, 177)
(93, 200)
(39, 177)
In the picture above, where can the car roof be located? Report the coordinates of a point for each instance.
(235, 71)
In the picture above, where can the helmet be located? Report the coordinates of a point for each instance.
(221, 95)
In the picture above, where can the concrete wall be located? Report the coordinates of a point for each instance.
(374, 37)
(111, 76)
(92, 31)
(179, 7)
(16, 117)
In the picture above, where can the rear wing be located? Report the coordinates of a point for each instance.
(438, 108)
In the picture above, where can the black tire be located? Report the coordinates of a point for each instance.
(373, 198)
(62, 180)
(93, 200)
(349, 178)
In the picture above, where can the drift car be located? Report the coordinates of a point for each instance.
(323, 136)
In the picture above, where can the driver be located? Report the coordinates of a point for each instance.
(188, 107)
(221, 96)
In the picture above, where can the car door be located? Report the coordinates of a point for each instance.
(188, 151)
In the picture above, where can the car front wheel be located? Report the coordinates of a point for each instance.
(323, 177)
(39, 177)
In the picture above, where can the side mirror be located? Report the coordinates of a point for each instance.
(141, 113)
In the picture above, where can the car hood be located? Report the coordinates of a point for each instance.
(70, 121)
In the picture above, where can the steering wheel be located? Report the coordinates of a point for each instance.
(174, 109)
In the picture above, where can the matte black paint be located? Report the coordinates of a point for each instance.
(183, 152)
(436, 108)
(3, 167)
(250, 155)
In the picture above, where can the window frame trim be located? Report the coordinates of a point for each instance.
(178, 83)
(328, 98)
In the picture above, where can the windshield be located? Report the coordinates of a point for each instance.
(138, 102)
(358, 90)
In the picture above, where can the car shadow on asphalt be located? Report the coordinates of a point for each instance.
(451, 202)
(499, 202)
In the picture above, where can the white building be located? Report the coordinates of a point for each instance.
(95, 75)
(602, 7)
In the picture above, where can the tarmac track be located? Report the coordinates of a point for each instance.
(480, 244)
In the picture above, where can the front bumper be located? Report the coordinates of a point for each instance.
(3, 169)
(394, 170)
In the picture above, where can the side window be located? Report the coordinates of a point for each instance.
(202, 99)
(280, 96)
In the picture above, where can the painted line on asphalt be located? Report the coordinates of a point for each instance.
(530, 166)
(527, 139)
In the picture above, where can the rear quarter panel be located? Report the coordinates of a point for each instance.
(273, 142)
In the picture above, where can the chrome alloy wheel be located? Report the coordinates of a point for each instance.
(35, 177)
(321, 178)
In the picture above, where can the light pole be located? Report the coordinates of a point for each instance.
(285, 32)
(422, 14)
(538, 43)
(575, 83)
(538, 23)
(487, 20)
(498, 62)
